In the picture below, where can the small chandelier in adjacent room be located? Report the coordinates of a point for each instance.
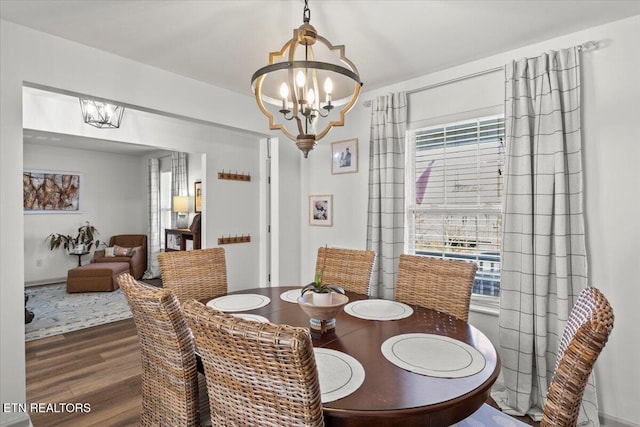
(288, 89)
(101, 114)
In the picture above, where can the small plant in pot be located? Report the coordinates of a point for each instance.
(321, 291)
(84, 240)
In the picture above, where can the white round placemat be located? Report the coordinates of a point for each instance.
(433, 355)
(339, 374)
(291, 296)
(252, 317)
(378, 309)
(240, 302)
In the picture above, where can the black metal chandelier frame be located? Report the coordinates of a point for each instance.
(304, 111)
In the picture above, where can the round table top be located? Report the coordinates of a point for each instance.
(391, 395)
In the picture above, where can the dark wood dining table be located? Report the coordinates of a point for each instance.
(389, 395)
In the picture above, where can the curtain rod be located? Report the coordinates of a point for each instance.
(581, 47)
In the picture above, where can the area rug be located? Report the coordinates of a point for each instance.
(57, 312)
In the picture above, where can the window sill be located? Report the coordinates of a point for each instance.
(485, 304)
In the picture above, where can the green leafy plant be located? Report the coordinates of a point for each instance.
(318, 286)
(321, 288)
(86, 236)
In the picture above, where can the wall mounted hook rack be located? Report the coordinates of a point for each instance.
(234, 176)
(234, 239)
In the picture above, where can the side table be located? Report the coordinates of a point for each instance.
(79, 255)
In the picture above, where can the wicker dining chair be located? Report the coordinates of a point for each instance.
(196, 274)
(258, 374)
(348, 268)
(171, 392)
(438, 284)
(585, 335)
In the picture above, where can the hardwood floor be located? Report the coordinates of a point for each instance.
(99, 366)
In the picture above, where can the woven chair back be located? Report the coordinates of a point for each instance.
(169, 371)
(349, 268)
(196, 274)
(585, 335)
(438, 284)
(258, 374)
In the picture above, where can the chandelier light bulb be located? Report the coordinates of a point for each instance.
(284, 90)
(284, 93)
(300, 80)
(328, 87)
(311, 96)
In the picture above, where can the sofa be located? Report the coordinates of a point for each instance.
(129, 248)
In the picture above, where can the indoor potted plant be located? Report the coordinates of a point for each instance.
(321, 291)
(83, 241)
(322, 306)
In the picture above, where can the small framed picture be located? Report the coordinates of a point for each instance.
(321, 210)
(344, 156)
(197, 197)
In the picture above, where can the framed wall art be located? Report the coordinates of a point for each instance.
(321, 210)
(51, 192)
(197, 197)
(344, 156)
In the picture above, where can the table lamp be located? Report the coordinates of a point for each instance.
(181, 207)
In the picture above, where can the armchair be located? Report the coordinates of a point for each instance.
(138, 259)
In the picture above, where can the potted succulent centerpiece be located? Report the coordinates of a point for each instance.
(84, 240)
(321, 291)
(322, 302)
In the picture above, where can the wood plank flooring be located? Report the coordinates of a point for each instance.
(99, 366)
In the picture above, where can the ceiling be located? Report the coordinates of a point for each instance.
(37, 137)
(224, 42)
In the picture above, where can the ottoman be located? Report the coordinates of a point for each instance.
(97, 277)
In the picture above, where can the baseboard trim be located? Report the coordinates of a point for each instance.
(609, 421)
(16, 420)
(45, 282)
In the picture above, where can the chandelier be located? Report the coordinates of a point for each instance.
(101, 114)
(288, 89)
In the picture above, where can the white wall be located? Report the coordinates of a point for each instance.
(232, 208)
(290, 212)
(350, 193)
(37, 58)
(113, 200)
(233, 204)
(610, 102)
(611, 91)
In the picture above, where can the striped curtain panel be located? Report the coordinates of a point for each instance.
(544, 262)
(153, 235)
(179, 183)
(385, 223)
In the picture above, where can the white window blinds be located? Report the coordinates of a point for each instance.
(454, 205)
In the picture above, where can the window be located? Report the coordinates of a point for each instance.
(454, 203)
(165, 204)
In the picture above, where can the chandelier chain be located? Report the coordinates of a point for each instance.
(306, 13)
